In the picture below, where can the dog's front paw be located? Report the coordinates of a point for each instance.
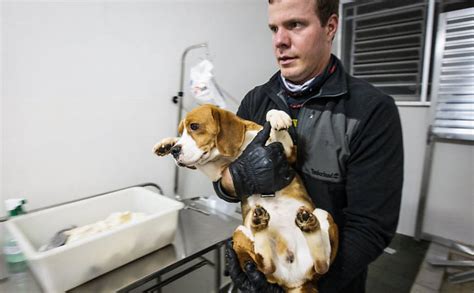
(279, 120)
(306, 220)
(164, 146)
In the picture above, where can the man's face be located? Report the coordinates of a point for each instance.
(301, 45)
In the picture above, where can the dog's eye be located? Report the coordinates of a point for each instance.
(194, 126)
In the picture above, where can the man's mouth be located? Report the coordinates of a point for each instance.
(285, 60)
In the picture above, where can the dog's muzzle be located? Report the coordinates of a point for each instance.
(175, 151)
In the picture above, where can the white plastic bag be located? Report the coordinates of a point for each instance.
(203, 86)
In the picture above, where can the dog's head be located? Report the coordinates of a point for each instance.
(208, 133)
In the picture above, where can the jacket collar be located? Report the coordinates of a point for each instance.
(335, 85)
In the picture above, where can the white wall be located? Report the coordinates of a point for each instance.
(450, 202)
(1, 116)
(88, 86)
(449, 210)
(414, 126)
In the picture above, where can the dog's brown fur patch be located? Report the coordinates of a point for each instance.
(297, 191)
(243, 247)
(333, 237)
(292, 158)
(321, 267)
(218, 127)
(204, 136)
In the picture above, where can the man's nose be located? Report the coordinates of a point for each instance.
(176, 150)
(281, 39)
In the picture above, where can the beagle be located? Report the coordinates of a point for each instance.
(292, 242)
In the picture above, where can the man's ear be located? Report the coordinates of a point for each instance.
(230, 133)
(181, 127)
(331, 27)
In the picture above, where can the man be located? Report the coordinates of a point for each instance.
(349, 140)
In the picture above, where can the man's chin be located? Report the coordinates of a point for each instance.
(290, 75)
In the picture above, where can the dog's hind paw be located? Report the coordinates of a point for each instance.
(164, 146)
(279, 120)
(306, 220)
(260, 219)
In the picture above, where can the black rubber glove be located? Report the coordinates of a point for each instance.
(261, 169)
(252, 280)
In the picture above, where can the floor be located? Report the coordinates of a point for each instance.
(396, 272)
(447, 287)
(434, 278)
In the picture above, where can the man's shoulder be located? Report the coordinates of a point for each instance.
(362, 89)
(259, 100)
(365, 96)
(272, 85)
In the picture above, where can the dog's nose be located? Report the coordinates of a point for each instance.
(176, 150)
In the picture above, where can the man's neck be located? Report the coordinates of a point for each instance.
(296, 87)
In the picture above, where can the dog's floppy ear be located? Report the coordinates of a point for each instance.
(231, 132)
(181, 127)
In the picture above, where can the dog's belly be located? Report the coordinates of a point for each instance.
(289, 250)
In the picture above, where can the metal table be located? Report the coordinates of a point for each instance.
(201, 230)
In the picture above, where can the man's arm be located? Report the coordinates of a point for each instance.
(225, 189)
(227, 183)
(373, 187)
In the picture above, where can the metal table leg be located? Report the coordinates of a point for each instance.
(217, 268)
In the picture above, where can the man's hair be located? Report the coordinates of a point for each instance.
(323, 9)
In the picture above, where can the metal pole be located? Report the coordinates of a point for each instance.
(427, 53)
(179, 100)
(425, 180)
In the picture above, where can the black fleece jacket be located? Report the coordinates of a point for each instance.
(350, 156)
